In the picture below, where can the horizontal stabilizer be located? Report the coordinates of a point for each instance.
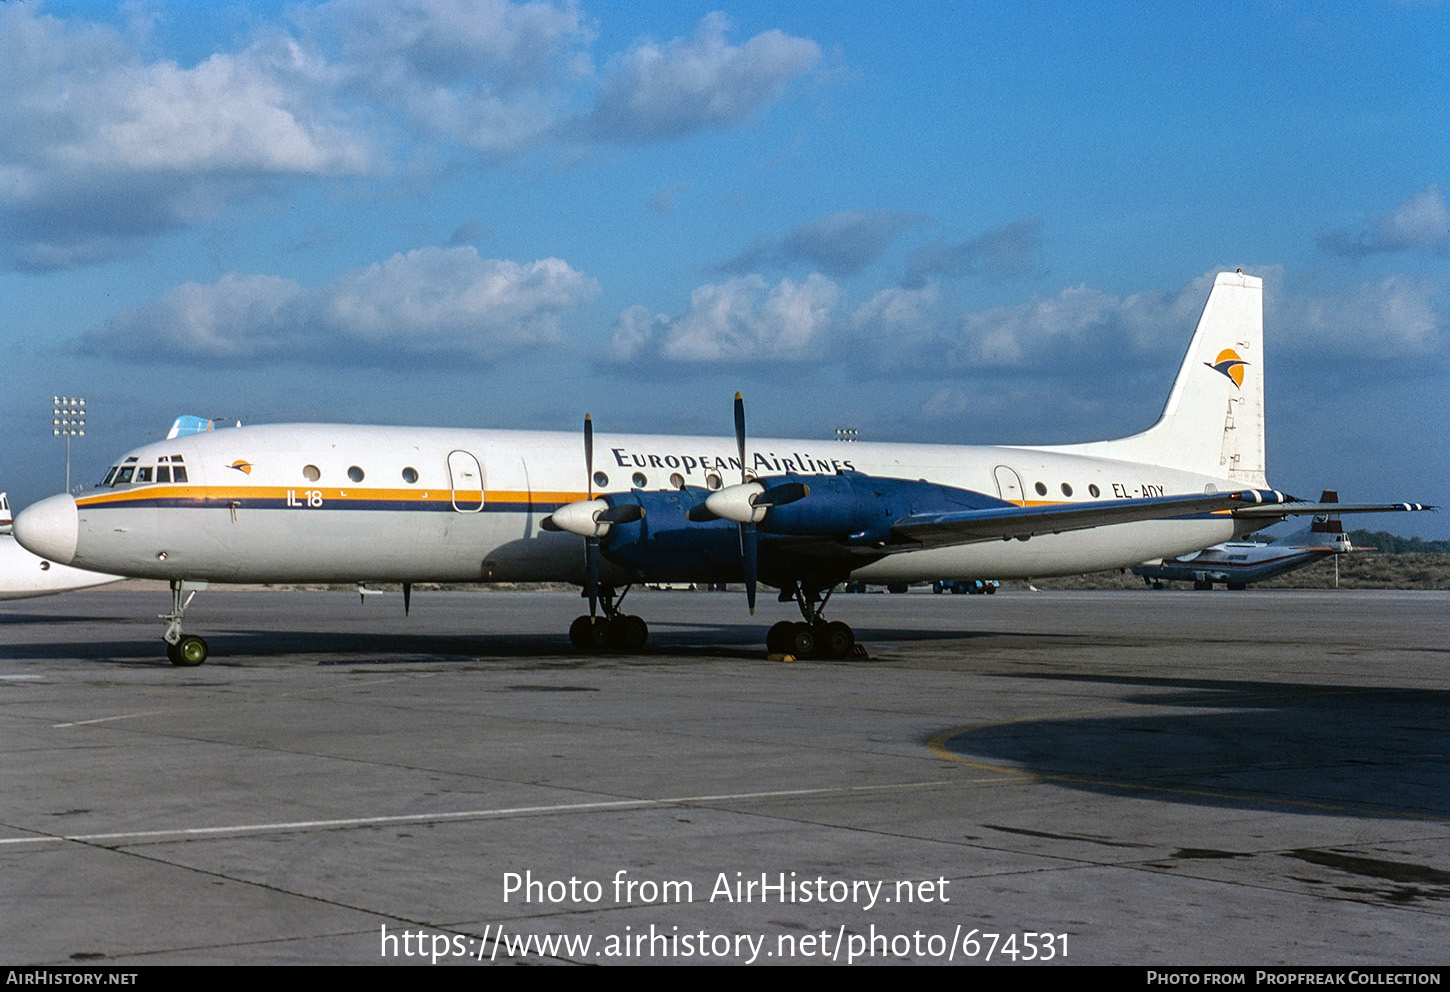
(1301, 507)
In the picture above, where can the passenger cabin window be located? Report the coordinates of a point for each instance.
(639, 480)
(1066, 489)
(355, 474)
(601, 480)
(1041, 488)
(410, 475)
(1094, 491)
(311, 473)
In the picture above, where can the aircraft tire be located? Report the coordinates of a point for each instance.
(629, 633)
(579, 633)
(777, 639)
(590, 633)
(188, 652)
(802, 641)
(835, 639)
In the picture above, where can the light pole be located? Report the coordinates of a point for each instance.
(68, 420)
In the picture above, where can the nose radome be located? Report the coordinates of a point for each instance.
(49, 528)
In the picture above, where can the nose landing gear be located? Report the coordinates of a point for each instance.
(183, 650)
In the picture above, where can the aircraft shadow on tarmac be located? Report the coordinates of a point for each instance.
(1313, 749)
(235, 646)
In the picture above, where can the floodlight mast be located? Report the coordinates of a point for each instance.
(68, 420)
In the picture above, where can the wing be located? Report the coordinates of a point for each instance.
(935, 530)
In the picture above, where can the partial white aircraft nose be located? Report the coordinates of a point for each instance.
(49, 528)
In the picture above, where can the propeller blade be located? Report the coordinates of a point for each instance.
(407, 597)
(740, 432)
(786, 492)
(623, 513)
(591, 573)
(749, 543)
(589, 455)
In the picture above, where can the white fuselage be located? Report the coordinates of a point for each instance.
(25, 576)
(337, 503)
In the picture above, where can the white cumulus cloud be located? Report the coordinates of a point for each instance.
(658, 91)
(733, 321)
(1421, 222)
(428, 304)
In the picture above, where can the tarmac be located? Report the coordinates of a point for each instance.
(1133, 778)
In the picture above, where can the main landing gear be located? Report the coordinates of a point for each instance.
(184, 650)
(615, 631)
(815, 637)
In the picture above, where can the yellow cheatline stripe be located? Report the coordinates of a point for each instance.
(335, 494)
(938, 747)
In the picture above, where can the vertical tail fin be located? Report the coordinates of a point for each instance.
(1327, 529)
(1213, 422)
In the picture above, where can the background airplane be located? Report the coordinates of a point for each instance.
(337, 503)
(1239, 564)
(24, 575)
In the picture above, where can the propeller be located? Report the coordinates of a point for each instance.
(749, 539)
(747, 504)
(591, 541)
(591, 519)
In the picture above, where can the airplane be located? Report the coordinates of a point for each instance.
(1239, 564)
(24, 575)
(354, 504)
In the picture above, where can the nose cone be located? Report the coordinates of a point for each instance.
(49, 528)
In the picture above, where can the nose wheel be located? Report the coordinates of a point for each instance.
(188, 652)
(182, 650)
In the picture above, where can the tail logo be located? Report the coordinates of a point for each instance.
(242, 465)
(1230, 364)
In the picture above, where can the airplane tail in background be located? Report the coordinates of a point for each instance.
(1213, 422)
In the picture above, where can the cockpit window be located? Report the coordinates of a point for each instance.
(163, 473)
(107, 480)
(178, 473)
(123, 477)
(144, 474)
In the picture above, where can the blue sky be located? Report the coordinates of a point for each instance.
(978, 223)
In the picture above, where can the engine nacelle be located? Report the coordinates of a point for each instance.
(664, 546)
(861, 509)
